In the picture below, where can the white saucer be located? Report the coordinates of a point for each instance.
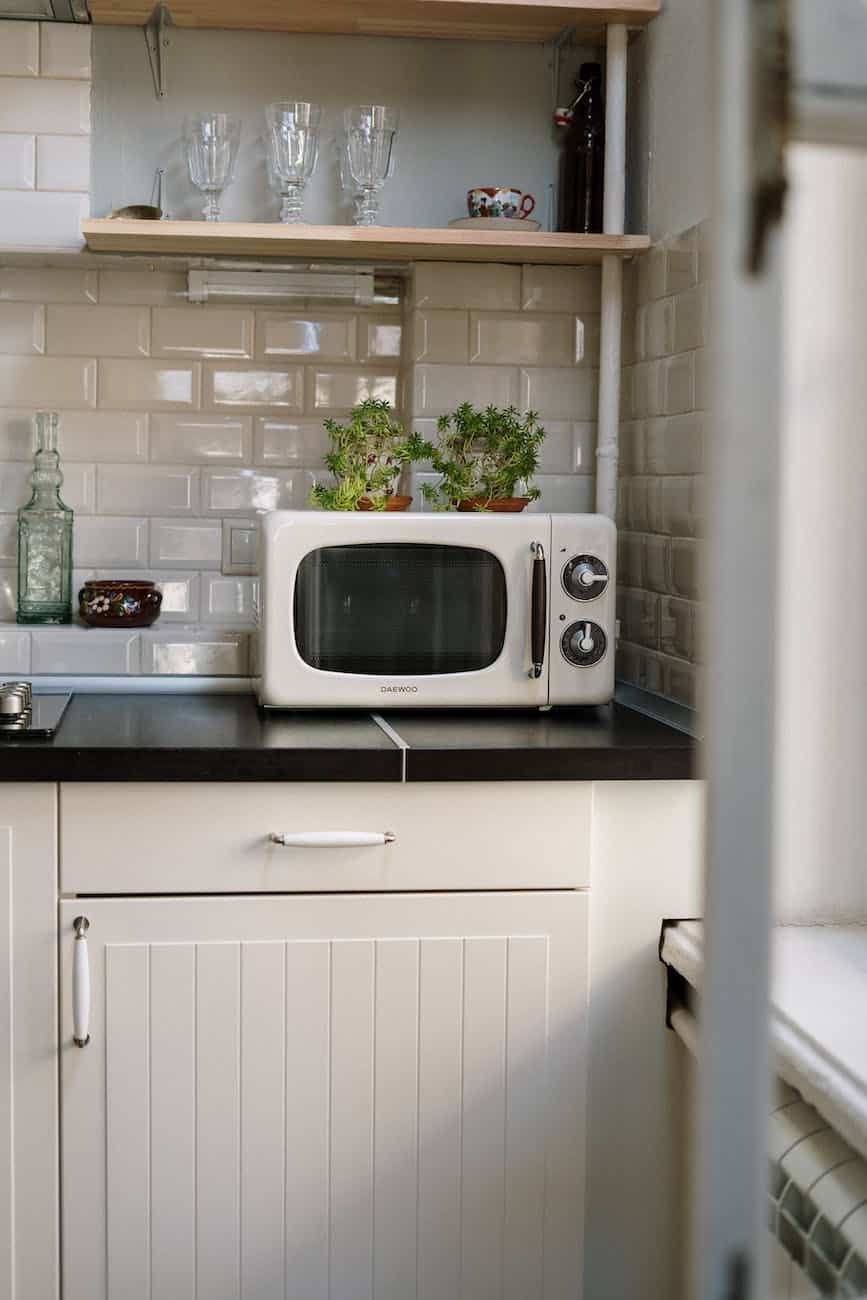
(493, 223)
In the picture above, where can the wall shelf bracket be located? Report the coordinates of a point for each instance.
(157, 42)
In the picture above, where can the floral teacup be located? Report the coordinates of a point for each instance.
(499, 201)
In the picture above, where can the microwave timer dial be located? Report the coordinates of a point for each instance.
(585, 577)
(583, 644)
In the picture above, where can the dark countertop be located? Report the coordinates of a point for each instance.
(226, 738)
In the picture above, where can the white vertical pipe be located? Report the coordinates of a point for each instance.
(611, 322)
(614, 205)
(740, 751)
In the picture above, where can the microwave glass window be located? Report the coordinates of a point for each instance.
(400, 609)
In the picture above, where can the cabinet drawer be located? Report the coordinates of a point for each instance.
(213, 839)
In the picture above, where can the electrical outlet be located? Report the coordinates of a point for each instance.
(240, 540)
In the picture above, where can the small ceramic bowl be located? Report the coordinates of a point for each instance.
(119, 603)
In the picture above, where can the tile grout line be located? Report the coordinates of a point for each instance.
(395, 738)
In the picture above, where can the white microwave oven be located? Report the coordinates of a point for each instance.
(377, 610)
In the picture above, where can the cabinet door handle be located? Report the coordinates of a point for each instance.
(331, 839)
(80, 984)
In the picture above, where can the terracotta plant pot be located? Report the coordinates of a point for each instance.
(124, 603)
(496, 505)
(392, 503)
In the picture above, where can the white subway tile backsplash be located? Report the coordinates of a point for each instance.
(17, 161)
(202, 332)
(690, 313)
(142, 288)
(486, 286)
(19, 50)
(248, 489)
(101, 435)
(560, 394)
(147, 489)
(245, 386)
(289, 442)
(439, 389)
(77, 490)
(379, 337)
(149, 385)
(44, 284)
(228, 600)
(335, 392)
(675, 444)
(441, 336)
(563, 493)
(85, 650)
(186, 544)
(659, 328)
(201, 439)
(14, 651)
(97, 331)
(568, 448)
(560, 288)
(681, 263)
(30, 381)
(203, 652)
(534, 340)
(99, 542)
(22, 328)
(8, 539)
(678, 384)
(42, 219)
(63, 162)
(65, 50)
(325, 336)
(8, 594)
(43, 107)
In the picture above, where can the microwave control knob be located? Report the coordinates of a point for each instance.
(583, 644)
(585, 577)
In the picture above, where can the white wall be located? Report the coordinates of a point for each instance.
(669, 107)
(472, 113)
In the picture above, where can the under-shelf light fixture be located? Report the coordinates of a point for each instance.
(277, 286)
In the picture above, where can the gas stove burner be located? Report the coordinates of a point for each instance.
(25, 715)
(16, 699)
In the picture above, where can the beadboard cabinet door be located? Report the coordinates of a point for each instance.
(367, 1097)
(29, 1226)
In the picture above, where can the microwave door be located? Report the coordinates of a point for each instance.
(400, 609)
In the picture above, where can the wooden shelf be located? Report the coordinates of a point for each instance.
(373, 243)
(491, 20)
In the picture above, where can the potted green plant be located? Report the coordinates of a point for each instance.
(482, 456)
(366, 457)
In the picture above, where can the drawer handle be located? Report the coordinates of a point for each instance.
(80, 984)
(331, 839)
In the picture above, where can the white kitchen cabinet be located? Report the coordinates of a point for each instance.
(365, 1097)
(28, 1038)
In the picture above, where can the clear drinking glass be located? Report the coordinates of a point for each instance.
(370, 137)
(292, 139)
(212, 141)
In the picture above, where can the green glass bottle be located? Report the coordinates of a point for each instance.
(45, 536)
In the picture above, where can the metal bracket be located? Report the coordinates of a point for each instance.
(157, 42)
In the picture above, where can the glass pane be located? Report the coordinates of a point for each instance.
(396, 609)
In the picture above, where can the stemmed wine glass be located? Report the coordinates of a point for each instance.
(212, 141)
(292, 139)
(370, 137)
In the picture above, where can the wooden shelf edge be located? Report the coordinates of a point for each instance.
(509, 20)
(376, 243)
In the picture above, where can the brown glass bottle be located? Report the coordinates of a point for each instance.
(582, 155)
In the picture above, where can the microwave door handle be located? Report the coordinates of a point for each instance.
(538, 610)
